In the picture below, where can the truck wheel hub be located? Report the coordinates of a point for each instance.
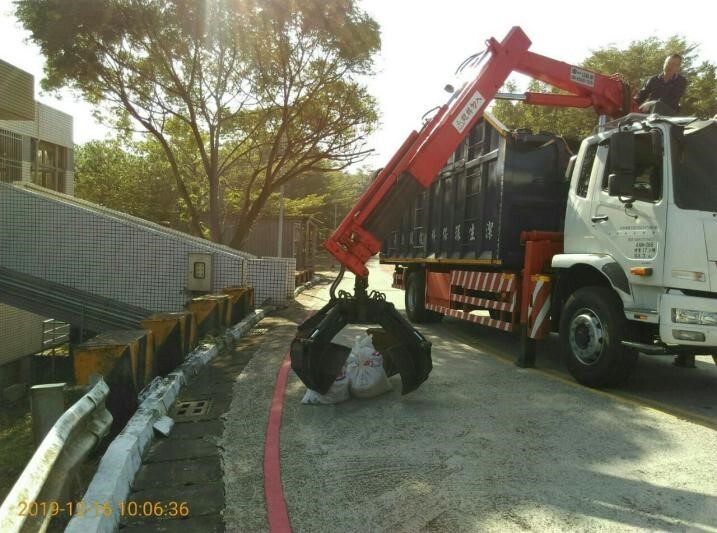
(586, 337)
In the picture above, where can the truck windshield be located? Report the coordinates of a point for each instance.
(695, 166)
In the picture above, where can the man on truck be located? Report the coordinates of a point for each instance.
(662, 92)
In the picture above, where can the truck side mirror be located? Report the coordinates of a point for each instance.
(622, 153)
(620, 184)
(621, 161)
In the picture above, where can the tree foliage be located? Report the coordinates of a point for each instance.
(129, 179)
(134, 177)
(327, 197)
(635, 63)
(240, 96)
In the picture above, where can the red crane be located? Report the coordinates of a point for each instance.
(415, 166)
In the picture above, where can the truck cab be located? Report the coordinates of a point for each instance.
(641, 219)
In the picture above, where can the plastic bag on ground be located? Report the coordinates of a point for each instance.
(339, 392)
(364, 369)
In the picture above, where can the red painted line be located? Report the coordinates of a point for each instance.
(273, 488)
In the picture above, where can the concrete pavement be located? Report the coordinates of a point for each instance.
(186, 467)
(480, 446)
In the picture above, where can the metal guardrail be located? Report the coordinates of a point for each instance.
(36, 496)
(112, 482)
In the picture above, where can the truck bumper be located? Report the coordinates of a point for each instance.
(687, 334)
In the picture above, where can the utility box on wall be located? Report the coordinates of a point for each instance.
(199, 272)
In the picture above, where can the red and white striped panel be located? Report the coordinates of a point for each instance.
(483, 320)
(539, 307)
(483, 281)
(482, 302)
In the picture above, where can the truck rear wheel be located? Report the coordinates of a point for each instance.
(416, 299)
(591, 328)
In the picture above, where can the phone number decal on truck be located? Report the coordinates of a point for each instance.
(469, 111)
(583, 77)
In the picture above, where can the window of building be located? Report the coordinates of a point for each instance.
(10, 156)
(49, 163)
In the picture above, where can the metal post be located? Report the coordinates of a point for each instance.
(602, 121)
(279, 243)
(47, 403)
(526, 355)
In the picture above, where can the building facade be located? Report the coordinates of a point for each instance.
(36, 145)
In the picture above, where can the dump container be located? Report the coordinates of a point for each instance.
(495, 185)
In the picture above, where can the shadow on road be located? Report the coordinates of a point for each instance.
(483, 445)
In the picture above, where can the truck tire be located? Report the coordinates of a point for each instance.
(591, 328)
(416, 299)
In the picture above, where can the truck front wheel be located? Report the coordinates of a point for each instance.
(591, 328)
(416, 299)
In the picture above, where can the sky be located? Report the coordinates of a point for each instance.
(423, 41)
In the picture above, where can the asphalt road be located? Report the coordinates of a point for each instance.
(690, 393)
(481, 446)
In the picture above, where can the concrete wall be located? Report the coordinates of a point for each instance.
(81, 245)
(54, 126)
(272, 279)
(16, 93)
(49, 124)
(20, 333)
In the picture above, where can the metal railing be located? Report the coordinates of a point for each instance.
(65, 446)
(54, 333)
(68, 304)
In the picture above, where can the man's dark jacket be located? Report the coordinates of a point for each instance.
(668, 91)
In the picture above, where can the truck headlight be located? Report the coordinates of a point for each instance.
(685, 316)
(708, 319)
(689, 316)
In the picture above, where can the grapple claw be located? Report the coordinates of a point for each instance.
(317, 361)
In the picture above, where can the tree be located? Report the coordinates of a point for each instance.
(128, 179)
(636, 63)
(339, 192)
(242, 96)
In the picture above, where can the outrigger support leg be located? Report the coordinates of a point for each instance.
(317, 361)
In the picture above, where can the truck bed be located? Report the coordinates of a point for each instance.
(497, 184)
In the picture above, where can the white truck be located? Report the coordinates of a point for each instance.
(482, 225)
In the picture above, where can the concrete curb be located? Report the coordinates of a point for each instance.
(301, 288)
(119, 465)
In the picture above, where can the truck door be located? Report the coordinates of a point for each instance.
(633, 232)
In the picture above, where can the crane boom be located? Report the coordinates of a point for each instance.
(421, 156)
